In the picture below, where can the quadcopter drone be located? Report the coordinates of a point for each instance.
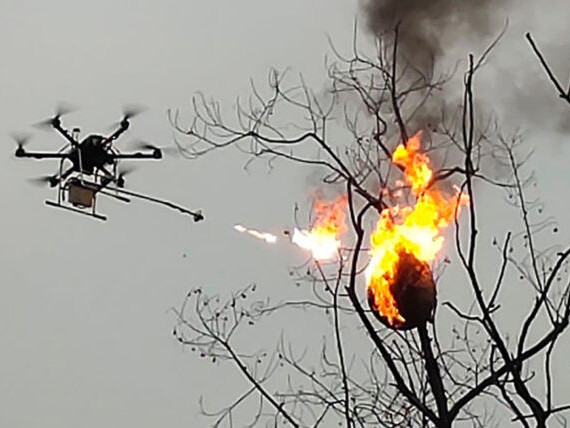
(91, 166)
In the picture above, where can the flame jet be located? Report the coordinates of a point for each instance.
(322, 240)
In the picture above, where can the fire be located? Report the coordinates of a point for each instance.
(323, 238)
(402, 231)
(264, 236)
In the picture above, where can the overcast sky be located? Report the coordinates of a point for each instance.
(85, 332)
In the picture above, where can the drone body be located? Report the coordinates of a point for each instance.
(90, 167)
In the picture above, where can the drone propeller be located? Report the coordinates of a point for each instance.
(123, 171)
(126, 170)
(21, 139)
(132, 110)
(63, 108)
(144, 145)
(60, 110)
(43, 180)
(129, 111)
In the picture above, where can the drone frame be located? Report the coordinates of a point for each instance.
(74, 190)
(72, 180)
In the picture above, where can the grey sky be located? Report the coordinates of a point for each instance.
(84, 323)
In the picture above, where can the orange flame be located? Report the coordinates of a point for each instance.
(412, 229)
(323, 238)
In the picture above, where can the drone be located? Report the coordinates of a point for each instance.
(91, 166)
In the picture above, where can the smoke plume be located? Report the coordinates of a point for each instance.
(425, 26)
(438, 34)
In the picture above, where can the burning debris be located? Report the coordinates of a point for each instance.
(323, 239)
(401, 290)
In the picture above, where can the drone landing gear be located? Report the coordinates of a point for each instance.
(75, 210)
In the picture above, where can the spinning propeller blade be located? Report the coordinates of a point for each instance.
(132, 110)
(43, 180)
(144, 145)
(22, 140)
(124, 171)
(60, 110)
(129, 111)
(64, 108)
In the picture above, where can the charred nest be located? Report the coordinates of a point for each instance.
(413, 290)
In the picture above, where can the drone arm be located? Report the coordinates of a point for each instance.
(123, 126)
(156, 154)
(57, 126)
(41, 155)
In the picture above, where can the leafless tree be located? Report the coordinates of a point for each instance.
(467, 366)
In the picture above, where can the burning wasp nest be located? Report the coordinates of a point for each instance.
(413, 292)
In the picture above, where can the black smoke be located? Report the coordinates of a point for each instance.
(436, 34)
(426, 27)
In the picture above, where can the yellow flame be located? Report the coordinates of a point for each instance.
(319, 242)
(412, 229)
(415, 164)
(322, 240)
